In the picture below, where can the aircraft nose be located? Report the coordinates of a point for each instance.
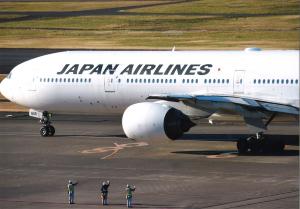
(1, 87)
(4, 88)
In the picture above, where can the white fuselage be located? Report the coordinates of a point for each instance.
(96, 82)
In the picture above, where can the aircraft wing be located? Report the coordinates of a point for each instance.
(253, 111)
(250, 104)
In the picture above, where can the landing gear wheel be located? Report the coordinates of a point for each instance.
(47, 129)
(255, 145)
(44, 131)
(51, 130)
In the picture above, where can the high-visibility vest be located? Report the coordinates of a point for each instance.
(70, 188)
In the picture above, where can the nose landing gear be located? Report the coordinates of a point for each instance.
(47, 129)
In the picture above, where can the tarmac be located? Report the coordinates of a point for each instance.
(201, 171)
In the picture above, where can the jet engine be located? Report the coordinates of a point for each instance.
(153, 120)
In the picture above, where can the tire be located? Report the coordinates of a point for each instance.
(44, 131)
(51, 130)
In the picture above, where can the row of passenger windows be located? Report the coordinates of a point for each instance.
(275, 81)
(223, 81)
(66, 80)
(219, 81)
(149, 80)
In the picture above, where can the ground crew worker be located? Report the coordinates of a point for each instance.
(104, 192)
(129, 191)
(71, 191)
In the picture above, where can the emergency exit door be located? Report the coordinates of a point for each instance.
(32, 84)
(109, 83)
(238, 81)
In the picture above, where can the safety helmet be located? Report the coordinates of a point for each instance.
(103, 183)
(70, 182)
(127, 186)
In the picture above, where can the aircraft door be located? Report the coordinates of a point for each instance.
(238, 83)
(32, 84)
(109, 83)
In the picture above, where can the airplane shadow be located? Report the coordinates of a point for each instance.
(224, 152)
(288, 139)
(90, 135)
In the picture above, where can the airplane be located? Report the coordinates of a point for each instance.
(162, 94)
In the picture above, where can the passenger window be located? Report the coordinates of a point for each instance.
(214, 80)
(192, 80)
(268, 81)
(258, 81)
(223, 80)
(174, 80)
(292, 81)
(183, 80)
(254, 81)
(196, 80)
(166, 81)
(205, 80)
(218, 81)
(209, 80)
(277, 81)
(119, 80)
(273, 81)
(286, 81)
(264, 81)
(227, 81)
(296, 81)
(282, 81)
(162, 80)
(90, 80)
(153, 80)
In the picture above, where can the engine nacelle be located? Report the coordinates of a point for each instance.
(153, 120)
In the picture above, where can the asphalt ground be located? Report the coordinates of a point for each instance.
(201, 171)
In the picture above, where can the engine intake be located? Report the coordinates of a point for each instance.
(153, 120)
